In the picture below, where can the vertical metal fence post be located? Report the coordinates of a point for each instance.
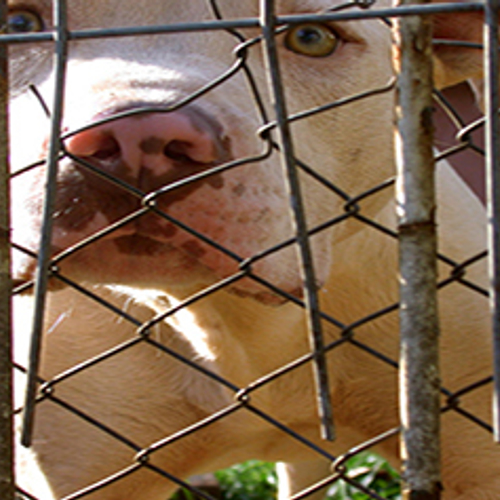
(419, 358)
(42, 271)
(325, 410)
(493, 188)
(6, 425)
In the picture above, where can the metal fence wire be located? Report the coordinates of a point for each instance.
(131, 380)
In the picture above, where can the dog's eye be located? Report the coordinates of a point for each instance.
(24, 21)
(311, 39)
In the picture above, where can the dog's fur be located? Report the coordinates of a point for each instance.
(243, 331)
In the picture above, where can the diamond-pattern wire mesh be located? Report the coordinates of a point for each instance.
(145, 330)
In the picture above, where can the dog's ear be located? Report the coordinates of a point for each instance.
(454, 64)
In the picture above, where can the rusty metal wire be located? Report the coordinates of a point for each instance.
(244, 398)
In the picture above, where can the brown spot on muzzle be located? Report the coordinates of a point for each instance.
(138, 245)
(239, 189)
(194, 248)
(81, 194)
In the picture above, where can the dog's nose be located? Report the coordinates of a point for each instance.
(153, 147)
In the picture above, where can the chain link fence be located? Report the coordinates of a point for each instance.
(131, 389)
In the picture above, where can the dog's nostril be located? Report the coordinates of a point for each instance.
(102, 146)
(108, 148)
(179, 151)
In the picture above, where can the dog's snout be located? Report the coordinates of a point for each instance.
(167, 145)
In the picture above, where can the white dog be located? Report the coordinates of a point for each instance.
(244, 330)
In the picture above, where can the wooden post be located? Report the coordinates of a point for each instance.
(6, 418)
(419, 358)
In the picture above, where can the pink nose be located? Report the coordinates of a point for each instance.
(153, 148)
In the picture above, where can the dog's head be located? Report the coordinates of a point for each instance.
(169, 153)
